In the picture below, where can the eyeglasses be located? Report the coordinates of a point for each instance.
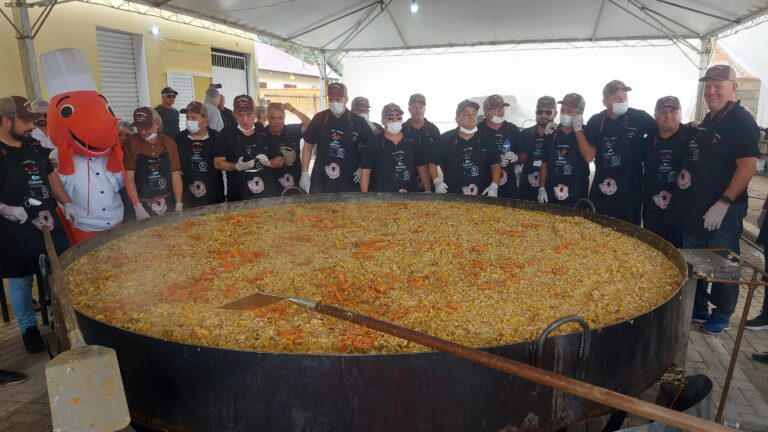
(394, 117)
(172, 96)
(546, 112)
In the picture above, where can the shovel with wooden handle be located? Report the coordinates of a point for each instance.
(530, 373)
(85, 389)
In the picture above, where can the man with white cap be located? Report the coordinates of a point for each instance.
(506, 137)
(710, 200)
(84, 129)
(466, 160)
(616, 139)
(340, 137)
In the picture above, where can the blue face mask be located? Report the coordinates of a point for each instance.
(620, 108)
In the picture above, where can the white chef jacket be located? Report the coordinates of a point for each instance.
(103, 209)
(44, 139)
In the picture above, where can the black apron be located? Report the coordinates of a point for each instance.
(617, 184)
(696, 191)
(423, 141)
(338, 157)
(468, 161)
(289, 144)
(24, 181)
(529, 179)
(257, 182)
(154, 184)
(567, 172)
(504, 141)
(203, 184)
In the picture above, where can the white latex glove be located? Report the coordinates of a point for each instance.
(141, 213)
(179, 207)
(492, 190)
(13, 213)
(761, 218)
(511, 157)
(550, 129)
(578, 122)
(714, 216)
(242, 166)
(53, 156)
(356, 175)
(304, 181)
(440, 186)
(263, 159)
(69, 212)
(543, 198)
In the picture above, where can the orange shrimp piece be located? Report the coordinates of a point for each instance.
(290, 334)
(236, 220)
(562, 247)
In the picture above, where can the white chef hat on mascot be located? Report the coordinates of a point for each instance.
(66, 70)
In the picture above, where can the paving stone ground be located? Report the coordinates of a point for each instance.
(24, 407)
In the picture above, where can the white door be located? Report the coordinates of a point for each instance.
(117, 67)
(184, 84)
(230, 71)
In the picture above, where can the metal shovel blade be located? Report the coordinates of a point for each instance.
(254, 301)
(85, 390)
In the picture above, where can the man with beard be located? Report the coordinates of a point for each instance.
(534, 141)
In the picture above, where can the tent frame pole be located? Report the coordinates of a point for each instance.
(707, 48)
(26, 44)
(321, 65)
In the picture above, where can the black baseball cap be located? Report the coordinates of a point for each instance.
(168, 90)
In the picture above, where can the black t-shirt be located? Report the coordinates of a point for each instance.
(535, 145)
(288, 142)
(709, 163)
(203, 184)
(662, 161)
(170, 117)
(257, 182)
(506, 138)
(394, 165)
(340, 141)
(228, 118)
(567, 172)
(423, 137)
(465, 163)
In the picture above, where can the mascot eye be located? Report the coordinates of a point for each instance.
(66, 111)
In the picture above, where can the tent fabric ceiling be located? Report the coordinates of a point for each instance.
(368, 25)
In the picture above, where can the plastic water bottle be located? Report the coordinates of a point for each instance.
(507, 147)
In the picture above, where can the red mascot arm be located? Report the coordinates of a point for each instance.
(66, 162)
(115, 161)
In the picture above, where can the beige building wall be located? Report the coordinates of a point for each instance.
(276, 80)
(177, 48)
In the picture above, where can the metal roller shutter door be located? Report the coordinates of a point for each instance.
(230, 71)
(117, 66)
(184, 84)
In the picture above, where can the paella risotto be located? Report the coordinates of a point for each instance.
(471, 273)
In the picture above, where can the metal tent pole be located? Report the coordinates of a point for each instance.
(26, 49)
(321, 64)
(707, 47)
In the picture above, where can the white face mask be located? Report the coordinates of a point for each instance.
(151, 137)
(497, 119)
(468, 131)
(620, 108)
(566, 120)
(337, 108)
(394, 127)
(246, 130)
(364, 115)
(193, 126)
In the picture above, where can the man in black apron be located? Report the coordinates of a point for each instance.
(395, 161)
(340, 137)
(29, 191)
(564, 174)
(663, 157)
(248, 157)
(420, 131)
(617, 136)
(506, 137)
(710, 200)
(152, 167)
(534, 142)
(287, 138)
(464, 158)
(362, 107)
(198, 144)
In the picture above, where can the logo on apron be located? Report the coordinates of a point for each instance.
(503, 179)
(533, 179)
(561, 192)
(333, 171)
(662, 199)
(44, 219)
(470, 190)
(608, 186)
(197, 188)
(158, 206)
(684, 180)
(286, 181)
(256, 185)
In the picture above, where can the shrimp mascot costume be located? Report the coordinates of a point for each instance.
(83, 128)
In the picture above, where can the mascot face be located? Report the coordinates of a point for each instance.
(83, 122)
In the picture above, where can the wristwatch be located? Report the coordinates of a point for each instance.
(726, 199)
